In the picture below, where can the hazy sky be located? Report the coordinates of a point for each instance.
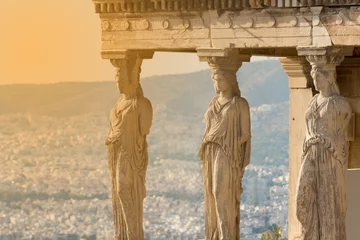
(45, 41)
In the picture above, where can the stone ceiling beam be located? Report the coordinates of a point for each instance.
(254, 31)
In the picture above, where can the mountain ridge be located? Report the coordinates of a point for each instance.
(261, 83)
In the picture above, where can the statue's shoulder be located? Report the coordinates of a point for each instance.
(313, 100)
(337, 98)
(119, 100)
(213, 100)
(117, 103)
(340, 103)
(143, 100)
(315, 96)
(144, 103)
(241, 102)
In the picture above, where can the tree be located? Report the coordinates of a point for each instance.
(274, 234)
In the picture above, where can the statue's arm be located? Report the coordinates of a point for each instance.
(342, 113)
(245, 138)
(107, 136)
(347, 113)
(207, 123)
(146, 116)
(245, 126)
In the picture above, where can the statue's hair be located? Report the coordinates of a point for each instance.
(230, 77)
(134, 78)
(139, 91)
(329, 75)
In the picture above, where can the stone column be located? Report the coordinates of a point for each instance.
(226, 145)
(301, 93)
(130, 122)
(321, 194)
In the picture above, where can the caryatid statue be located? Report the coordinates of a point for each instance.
(321, 199)
(130, 122)
(225, 151)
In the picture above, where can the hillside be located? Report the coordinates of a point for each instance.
(260, 82)
(179, 102)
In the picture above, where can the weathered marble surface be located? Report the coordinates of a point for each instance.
(225, 151)
(130, 122)
(246, 28)
(321, 199)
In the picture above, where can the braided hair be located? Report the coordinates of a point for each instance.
(230, 77)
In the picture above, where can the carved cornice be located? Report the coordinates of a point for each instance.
(151, 23)
(142, 6)
(340, 16)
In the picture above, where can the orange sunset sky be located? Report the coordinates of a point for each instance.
(46, 41)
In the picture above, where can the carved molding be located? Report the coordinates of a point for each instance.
(228, 60)
(324, 57)
(142, 24)
(127, 54)
(257, 19)
(223, 58)
(341, 16)
(248, 19)
(136, 6)
(331, 60)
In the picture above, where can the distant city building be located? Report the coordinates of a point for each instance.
(67, 237)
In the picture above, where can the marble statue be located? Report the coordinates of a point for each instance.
(130, 122)
(224, 152)
(321, 198)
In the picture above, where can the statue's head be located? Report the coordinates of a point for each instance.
(325, 78)
(225, 79)
(128, 79)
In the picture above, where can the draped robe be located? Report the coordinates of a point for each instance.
(321, 199)
(223, 163)
(128, 160)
